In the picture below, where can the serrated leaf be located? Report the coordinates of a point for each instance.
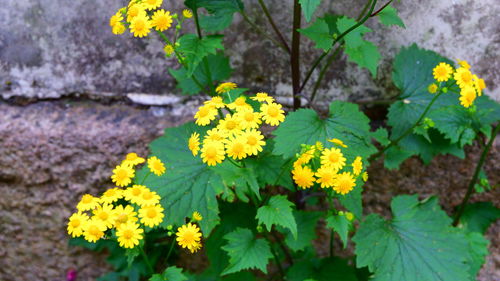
(354, 38)
(308, 8)
(196, 49)
(339, 224)
(243, 179)
(389, 16)
(306, 230)
(319, 32)
(218, 66)
(477, 217)
(417, 244)
(478, 250)
(188, 185)
(352, 201)
(245, 251)
(220, 13)
(365, 55)
(278, 211)
(131, 255)
(345, 122)
(382, 136)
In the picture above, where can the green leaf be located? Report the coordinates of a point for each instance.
(417, 244)
(131, 255)
(245, 251)
(341, 225)
(328, 269)
(170, 274)
(352, 201)
(306, 230)
(218, 66)
(389, 16)
(196, 49)
(477, 217)
(354, 38)
(243, 180)
(478, 250)
(382, 136)
(308, 8)
(319, 32)
(188, 185)
(278, 211)
(345, 122)
(365, 55)
(220, 13)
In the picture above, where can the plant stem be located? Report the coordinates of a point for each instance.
(205, 60)
(322, 73)
(276, 258)
(381, 8)
(288, 256)
(360, 16)
(273, 25)
(145, 177)
(146, 260)
(470, 188)
(263, 33)
(407, 132)
(171, 248)
(232, 161)
(295, 54)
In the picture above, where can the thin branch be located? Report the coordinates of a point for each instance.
(295, 55)
(273, 25)
(262, 32)
(380, 10)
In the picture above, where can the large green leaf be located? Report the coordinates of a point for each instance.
(220, 13)
(478, 250)
(354, 38)
(308, 8)
(341, 225)
(278, 211)
(328, 269)
(345, 122)
(195, 49)
(188, 185)
(219, 68)
(319, 32)
(389, 16)
(245, 251)
(417, 244)
(306, 230)
(477, 217)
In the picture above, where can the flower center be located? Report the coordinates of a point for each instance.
(147, 196)
(203, 112)
(103, 216)
(75, 223)
(94, 231)
(230, 125)
(87, 199)
(249, 116)
(122, 218)
(151, 213)
(238, 148)
(466, 77)
(273, 112)
(251, 140)
(121, 174)
(211, 152)
(333, 157)
(139, 25)
(127, 234)
(136, 192)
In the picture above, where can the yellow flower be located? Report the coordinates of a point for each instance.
(187, 13)
(149, 198)
(463, 76)
(118, 29)
(225, 87)
(168, 49)
(93, 230)
(140, 26)
(122, 175)
(364, 176)
(432, 88)
(357, 166)
(115, 19)
(239, 104)
(161, 20)
(151, 215)
(194, 143)
(349, 216)
(333, 157)
(104, 214)
(442, 72)
(123, 215)
(76, 224)
(88, 202)
(344, 183)
(231, 124)
(479, 84)
(263, 97)
(156, 166)
(133, 159)
(303, 176)
(338, 142)
(463, 64)
(326, 176)
(254, 140)
(197, 216)
(205, 115)
(236, 147)
(272, 113)
(249, 119)
(215, 102)
(129, 235)
(135, 10)
(319, 146)
(215, 135)
(133, 194)
(212, 152)
(467, 96)
(304, 158)
(152, 4)
(189, 236)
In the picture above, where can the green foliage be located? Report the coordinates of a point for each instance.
(319, 32)
(345, 122)
(353, 200)
(195, 49)
(219, 70)
(170, 274)
(341, 225)
(389, 16)
(417, 244)
(245, 251)
(329, 269)
(243, 180)
(306, 230)
(220, 13)
(478, 216)
(278, 211)
(477, 251)
(309, 7)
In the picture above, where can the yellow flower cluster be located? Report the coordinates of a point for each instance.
(237, 134)
(126, 210)
(189, 236)
(470, 84)
(330, 164)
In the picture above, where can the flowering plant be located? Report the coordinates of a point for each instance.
(246, 184)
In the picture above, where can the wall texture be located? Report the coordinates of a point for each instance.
(69, 91)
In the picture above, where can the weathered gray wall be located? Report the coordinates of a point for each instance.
(54, 151)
